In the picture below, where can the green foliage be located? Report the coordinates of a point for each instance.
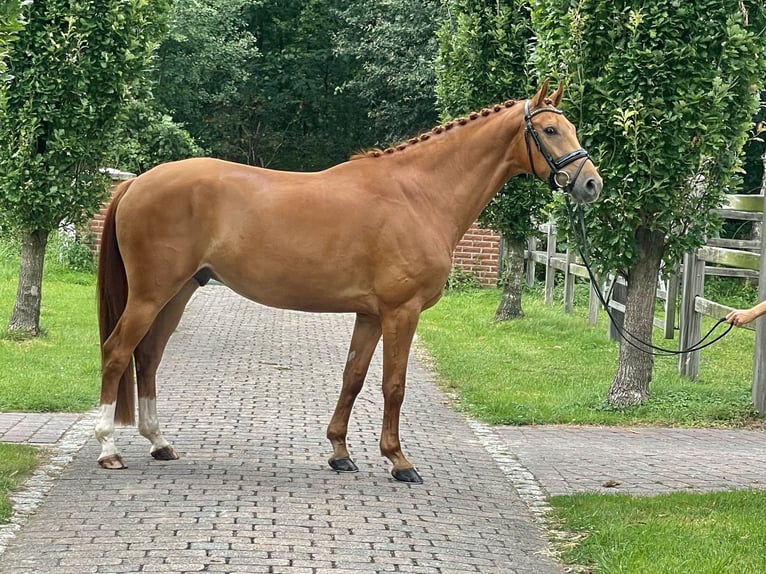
(461, 280)
(10, 23)
(298, 85)
(483, 59)
(72, 67)
(255, 82)
(483, 54)
(391, 48)
(203, 67)
(664, 94)
(146, 138)
(752, 179)
(72, 251)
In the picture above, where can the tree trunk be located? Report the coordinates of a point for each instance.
(513, 269)
(630, 385)
(25, 319)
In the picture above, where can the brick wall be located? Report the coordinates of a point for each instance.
(479, 253)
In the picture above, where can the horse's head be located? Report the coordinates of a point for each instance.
(554, 153)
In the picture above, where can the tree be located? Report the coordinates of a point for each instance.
(256, 82)
(203, 67)
(146, 137)
(483, 59)
(303, 121)
(71, 69)
(10, 24)
(664, 93)
(391, 49)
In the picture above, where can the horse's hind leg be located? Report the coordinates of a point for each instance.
(363, 342)
(148, 355)
(117, 353)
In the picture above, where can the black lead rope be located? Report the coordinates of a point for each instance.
(627, 336)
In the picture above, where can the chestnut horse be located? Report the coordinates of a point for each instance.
(371, 236)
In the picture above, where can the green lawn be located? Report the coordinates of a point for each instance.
(58, 371)
(679, 533)
(16, 463)
(550, 367)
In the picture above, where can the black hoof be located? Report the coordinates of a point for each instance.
(166, 453)
(407, 475)
(343, 465)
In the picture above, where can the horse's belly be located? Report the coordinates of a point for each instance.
(302, 290)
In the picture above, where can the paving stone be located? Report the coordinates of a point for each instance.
(245, 394)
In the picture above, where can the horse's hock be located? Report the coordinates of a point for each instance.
(477, 253)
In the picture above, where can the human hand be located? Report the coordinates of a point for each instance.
(740, 317)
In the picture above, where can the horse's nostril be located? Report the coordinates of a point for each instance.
(593, 185)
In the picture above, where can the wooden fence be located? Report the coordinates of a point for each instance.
(683, 292)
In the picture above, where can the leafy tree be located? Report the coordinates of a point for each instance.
(147, 137)
(256, 81)
(391, 48)
(304, 121)
(664, 93)
(203, 65)
(754, 150)
(10, 24)
(483, 59)
(71, 69)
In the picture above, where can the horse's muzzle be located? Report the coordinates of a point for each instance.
(586, 188)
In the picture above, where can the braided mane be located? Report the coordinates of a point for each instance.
(377, 152)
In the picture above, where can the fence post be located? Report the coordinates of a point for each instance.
(669, 324)
(692, 284)
(759, 359)
(532, 247)
(617, 312)
(594, 304)
(550, 270)
(569, 283)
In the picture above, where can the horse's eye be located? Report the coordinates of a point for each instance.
(550, 131)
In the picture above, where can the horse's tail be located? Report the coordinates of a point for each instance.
(112, 289)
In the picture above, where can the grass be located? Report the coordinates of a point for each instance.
(717, 533)
(16, 463)
(553, 368)
(58, 371)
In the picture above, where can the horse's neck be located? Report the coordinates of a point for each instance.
(463, 169)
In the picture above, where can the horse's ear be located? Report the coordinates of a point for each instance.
(538, 100)
(557, 95)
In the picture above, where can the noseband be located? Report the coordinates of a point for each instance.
(558, 178)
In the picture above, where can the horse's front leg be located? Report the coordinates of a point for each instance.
(398, 330)
(363, 342)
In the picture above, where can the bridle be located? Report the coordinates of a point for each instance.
(557, 166)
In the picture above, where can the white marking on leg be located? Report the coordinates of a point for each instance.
(105, 431)
(149, 424)
(351, 356)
